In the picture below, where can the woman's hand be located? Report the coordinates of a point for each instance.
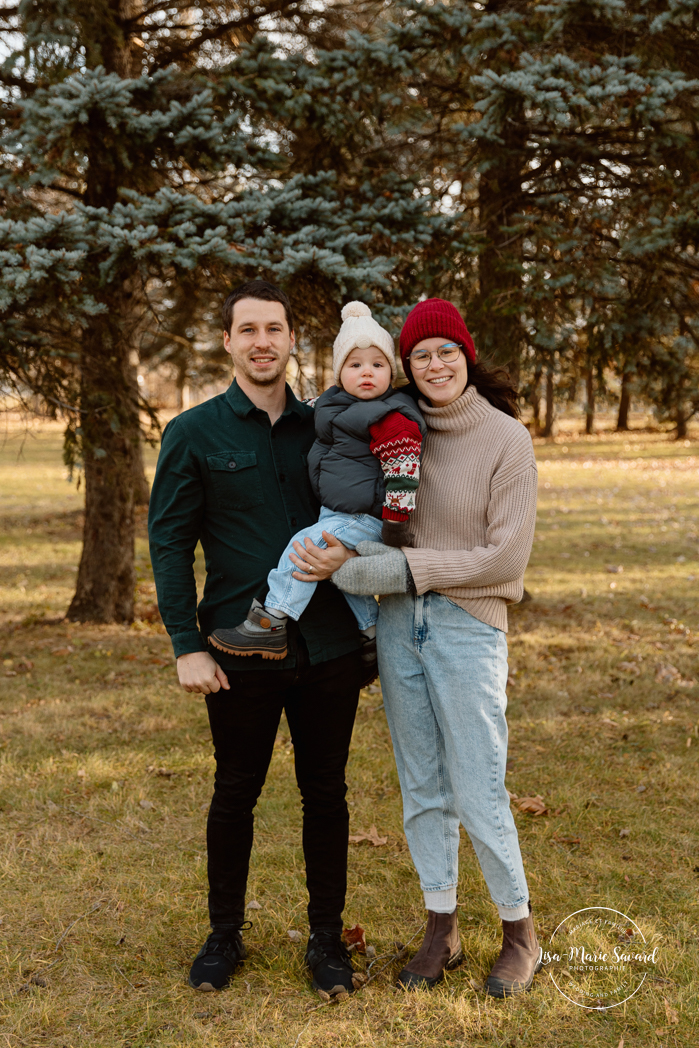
(316, 564)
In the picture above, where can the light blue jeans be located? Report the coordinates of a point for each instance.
(291, 596)
(443, 675)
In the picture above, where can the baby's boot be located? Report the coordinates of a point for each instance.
(262, 633)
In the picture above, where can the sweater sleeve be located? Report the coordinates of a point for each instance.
(397, 442)
(509, 537)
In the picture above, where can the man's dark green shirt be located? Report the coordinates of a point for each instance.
(229, 478)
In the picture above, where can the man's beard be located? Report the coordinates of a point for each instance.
(268, 378)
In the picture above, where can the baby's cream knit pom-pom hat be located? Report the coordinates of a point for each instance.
(360, 331)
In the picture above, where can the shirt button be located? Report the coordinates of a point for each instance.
(294, 522)
(232, 464)
(282, 477)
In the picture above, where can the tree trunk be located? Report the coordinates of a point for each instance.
(141, 487)
(590, 402)
(535, 400)
(548, 425)
(320, 370)
(680, 422)
(497, 315)
(622, 423)
(110, 443)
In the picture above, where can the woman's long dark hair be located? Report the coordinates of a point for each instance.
(496, 385)
(493, 383)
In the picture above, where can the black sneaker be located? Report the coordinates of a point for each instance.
(218, 958)
(330, 964)
(269, 642)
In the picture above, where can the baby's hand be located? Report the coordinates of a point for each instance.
(395, 533)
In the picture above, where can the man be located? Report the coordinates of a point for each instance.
(232, 474)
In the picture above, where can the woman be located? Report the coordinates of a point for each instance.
(441, 639)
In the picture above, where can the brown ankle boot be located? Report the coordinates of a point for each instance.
(518, 962)
(440, 951)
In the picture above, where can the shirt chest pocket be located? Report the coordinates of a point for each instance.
(235, 479)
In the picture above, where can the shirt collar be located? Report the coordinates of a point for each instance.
(242, 405)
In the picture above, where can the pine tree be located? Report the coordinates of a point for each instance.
(150, 144)
(563, 140)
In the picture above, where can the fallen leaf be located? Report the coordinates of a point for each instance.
(615, 569)
(158, 662)
(530, 805)
(565, 840)
(624, 833)
(665, 672)
(62, 651)
(372, 836)
(630, 667)
(606, 720)
(621, 1043)
(672, 1016)
(294, 935)
(353, 938)
(253, 905)
(81, 773)
(371, 951)
(146, 805)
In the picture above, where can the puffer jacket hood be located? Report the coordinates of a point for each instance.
(345, 476)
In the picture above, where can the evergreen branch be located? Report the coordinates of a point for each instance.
(172, 54)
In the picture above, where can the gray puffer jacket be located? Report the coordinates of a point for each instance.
(345, 476)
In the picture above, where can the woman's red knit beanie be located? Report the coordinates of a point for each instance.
(435, 318)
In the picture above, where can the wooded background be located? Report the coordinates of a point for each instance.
(537, 164)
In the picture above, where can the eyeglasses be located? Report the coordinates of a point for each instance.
(421, 358)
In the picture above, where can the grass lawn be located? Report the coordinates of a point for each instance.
(106, 770)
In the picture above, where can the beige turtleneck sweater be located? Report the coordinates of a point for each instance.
(473, 525)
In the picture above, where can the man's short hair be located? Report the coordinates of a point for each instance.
(261, 289)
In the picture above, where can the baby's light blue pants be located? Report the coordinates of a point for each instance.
(291, 596)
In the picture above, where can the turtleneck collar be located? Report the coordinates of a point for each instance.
(465, 411)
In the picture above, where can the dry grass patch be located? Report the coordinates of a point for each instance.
(106, 766)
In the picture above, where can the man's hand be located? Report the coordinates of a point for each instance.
(317, 564)
(198, 672)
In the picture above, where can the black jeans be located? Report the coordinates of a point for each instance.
(320, 704)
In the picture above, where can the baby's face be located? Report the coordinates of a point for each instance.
(366, 373)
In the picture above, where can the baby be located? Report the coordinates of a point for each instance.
(364, 469)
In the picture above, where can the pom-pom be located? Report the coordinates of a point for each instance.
(355, 309)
